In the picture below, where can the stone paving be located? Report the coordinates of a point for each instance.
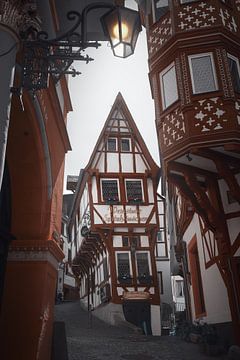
(88, 338)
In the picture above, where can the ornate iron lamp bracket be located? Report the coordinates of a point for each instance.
(43, 56)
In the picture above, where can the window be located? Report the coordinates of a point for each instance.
(123, 266)
(112, 144)
(125, 241)
(125, 145)
(160, 8)
(187, 1)
(169, 89)
(134, 190)
(235, 71)
(161, 247)
(142, 266)
(110, 190)
(202, 73)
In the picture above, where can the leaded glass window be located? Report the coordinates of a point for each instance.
(142, 264)
(169, 88)
(110, 190)
(123, 265)
(134, 190)
(202, 73)
(235, 72)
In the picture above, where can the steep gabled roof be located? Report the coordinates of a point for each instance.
(120, 112)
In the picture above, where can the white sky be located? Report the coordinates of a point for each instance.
(93, 94)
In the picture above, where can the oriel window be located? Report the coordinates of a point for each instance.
(110, 191)
(134, 190)
(169, 90)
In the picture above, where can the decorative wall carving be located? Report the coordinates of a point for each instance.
(159, 34)
(173, 128)
(184, 67)
(210, 115)
(228, 20)
(196, 16)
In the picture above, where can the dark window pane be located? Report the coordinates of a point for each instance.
(142, 264)
(125, 241)
(110, 190)
(235, 74)
(161, 8)
(123, 265)
(112, 144)
(134, 190)
(125, 145)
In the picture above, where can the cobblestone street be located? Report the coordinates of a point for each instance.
(95, 340)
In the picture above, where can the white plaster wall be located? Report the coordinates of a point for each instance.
(100, 164)
(104, 211)
(127, 162)
(112, 162)
(144, 241)
(117, 241)
(140, 165)
(150, 190)
(215, 293)
(228, 208)
(164, 267)
(145, 212)
(155, 320)
(233, 228)
(94, 190)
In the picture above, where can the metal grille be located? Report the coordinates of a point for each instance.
(123, 265)
(142, 264)
(110, 190)
(203, 75)
(134, 190)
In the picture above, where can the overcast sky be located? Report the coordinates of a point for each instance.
(93, 94)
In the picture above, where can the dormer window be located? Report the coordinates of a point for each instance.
(110, 191)
(125, 145)
(134, 193)
(234, 68)
(112, 144)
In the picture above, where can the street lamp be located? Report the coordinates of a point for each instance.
(122, 26)
(43, 57)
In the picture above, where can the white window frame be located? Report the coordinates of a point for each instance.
(234, 58)
(187, 1)
(125, 187)
(130, 146)
(109, 179)
(161, 75)
(116, 142)
(149, 261)
(194, 56)
(130, 261)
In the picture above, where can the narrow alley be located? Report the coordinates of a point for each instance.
(92, 339)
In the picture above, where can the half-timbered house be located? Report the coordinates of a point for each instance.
(114, 223)
(195, 77)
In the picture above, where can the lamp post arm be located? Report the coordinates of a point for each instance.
(86, 10)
